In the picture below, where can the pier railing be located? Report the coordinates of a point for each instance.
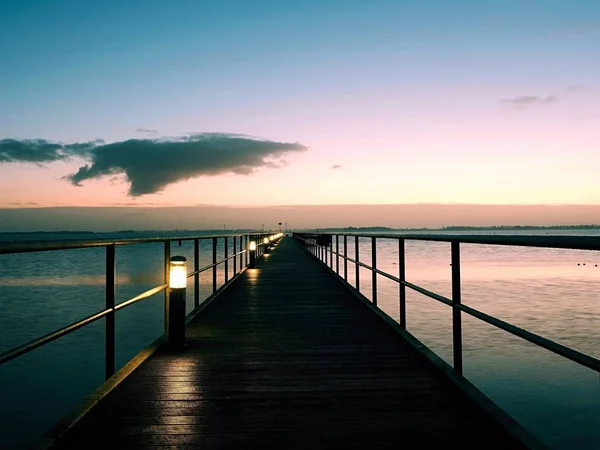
(326, 248)
(238, 259)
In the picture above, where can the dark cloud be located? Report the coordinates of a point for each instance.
(525, 101)
(41, 151)
(336, 166)
(151, 165)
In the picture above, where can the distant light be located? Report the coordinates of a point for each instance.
(252, 246)
(178, 273)
(266, 240)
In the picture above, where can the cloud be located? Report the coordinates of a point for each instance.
(526, 101)
(150, 165)
(41, 151)
(576, 88)
(146, 130)
(336, 166)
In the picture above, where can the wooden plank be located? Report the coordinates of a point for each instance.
(287, 358)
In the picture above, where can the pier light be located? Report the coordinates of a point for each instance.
(252, 262)
(266, 240)
(178, 273)
(176, 296)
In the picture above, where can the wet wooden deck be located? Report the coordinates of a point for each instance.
(286, 358)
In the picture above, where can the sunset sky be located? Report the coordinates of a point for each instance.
(270, 103)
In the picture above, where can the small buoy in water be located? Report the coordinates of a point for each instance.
(584, 264)
(578, 264)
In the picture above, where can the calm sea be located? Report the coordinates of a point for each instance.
(555, 293)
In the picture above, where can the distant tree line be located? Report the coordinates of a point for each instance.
(470, 228)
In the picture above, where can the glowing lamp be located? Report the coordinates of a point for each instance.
(178, 273)
(266, 240)
(252, 246)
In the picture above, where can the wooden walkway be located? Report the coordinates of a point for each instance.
(287, 358)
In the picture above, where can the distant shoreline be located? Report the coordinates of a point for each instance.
(351, 229)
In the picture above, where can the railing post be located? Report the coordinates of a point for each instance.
(234, 255)
(337, 254)
(456, 313)
(357, 267)
(241, 256)
(226, 253)
(346, 258)
(374, 266)
(246, 239)
(402, 278)
(197, 275)
(214, 261)
(167, 262)
(109, 354)
(331, 254)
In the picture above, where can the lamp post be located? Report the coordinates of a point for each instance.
(177, 288)
(252, 263)
(266, 243)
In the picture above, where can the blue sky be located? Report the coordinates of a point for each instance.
(502, 94)
(143, 60)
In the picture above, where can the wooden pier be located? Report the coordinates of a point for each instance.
(287, 357)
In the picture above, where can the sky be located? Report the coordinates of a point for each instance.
(267, 104)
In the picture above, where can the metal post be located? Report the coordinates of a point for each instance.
(331, 254)
(246, 239)
(226, 253)
(109, 354)
(241, 257)
(214, 261)
(197, 275)
(357, 267)
(337, 254)
(374, 266)
(234, 255)
(456, 316)
(345, 257)
(177, 310)
(402, 278)
(167, 262)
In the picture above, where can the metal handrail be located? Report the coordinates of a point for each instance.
(568, 242)
(42, 246)
(587, 243)
(32, 345)
(113, 308)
